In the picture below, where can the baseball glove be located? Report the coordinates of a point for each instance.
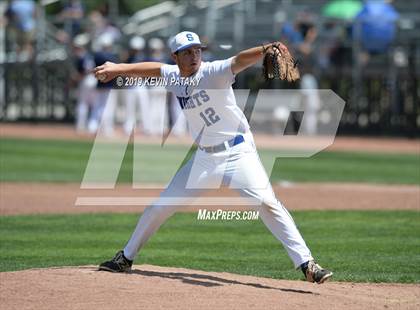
(278, 63)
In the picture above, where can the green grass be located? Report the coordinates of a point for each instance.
(350, 167)
(360, 246)
(65, 161)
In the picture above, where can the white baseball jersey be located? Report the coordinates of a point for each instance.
(210, 107)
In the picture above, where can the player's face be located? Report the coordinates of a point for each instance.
(189, 60)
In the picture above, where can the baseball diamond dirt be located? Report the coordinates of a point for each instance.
(56, 198)
(154, 287)
(65, 132)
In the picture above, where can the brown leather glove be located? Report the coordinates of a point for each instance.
(278, 63)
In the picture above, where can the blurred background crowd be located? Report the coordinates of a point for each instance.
(368, 52)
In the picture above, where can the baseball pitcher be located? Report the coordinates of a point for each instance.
(226, 153)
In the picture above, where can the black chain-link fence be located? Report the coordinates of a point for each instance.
(37, 92)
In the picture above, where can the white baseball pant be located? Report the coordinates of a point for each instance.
(241, 167)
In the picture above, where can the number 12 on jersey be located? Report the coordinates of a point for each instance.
(209, 116)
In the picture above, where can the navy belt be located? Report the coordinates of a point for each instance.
(223, 146)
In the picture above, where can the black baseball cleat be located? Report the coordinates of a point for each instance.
(315, 273)
(118, 264)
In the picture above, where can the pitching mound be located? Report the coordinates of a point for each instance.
(153, 287)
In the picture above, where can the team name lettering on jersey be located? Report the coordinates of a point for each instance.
(194, 101)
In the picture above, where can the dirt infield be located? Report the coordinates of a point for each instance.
(35, 198)
(153, 287)
(384, 145)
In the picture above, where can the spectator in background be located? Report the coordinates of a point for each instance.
(86, 81)
(99, 25)
(21, 21)
(156, 116)
(103, 112)
(137, 97)
(72, 15)
(305, 46)
(301, 38)
(96, 24)
(332, 38)
(375, 26)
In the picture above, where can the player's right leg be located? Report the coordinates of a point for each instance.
(172, 198)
